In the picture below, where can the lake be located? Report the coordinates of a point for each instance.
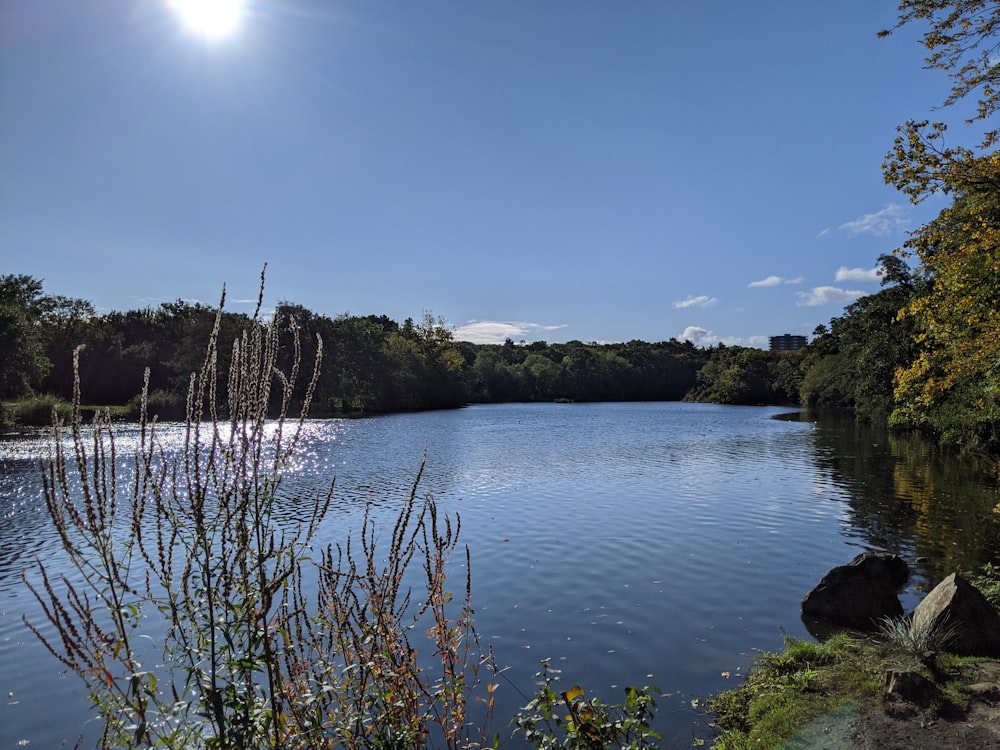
(631, 543)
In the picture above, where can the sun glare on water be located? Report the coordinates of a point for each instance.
(211, 19)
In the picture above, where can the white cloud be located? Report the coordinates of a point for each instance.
(879, 224)
(774, 281)
(702, 300)
(698, 336)
(703, 337)
(496, 332)
(859, 274)
(825, 295)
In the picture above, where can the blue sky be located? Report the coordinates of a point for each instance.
(601, 170)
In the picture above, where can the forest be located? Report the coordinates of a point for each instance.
(371, 364)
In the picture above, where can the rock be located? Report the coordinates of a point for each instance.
(858, 595)
(958, 605)
(909, 686)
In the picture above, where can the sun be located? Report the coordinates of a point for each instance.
(211, 19)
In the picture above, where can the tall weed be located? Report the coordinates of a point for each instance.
(270, 642)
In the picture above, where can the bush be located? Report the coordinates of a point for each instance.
(164, 405)
(37, 411)
(987, 580)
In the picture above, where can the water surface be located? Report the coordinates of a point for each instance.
(659, 544)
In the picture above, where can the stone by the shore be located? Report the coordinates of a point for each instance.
(858, 595)
(957, 605)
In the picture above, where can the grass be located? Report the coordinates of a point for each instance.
(35, 411)
(785, 691)
(904, 635)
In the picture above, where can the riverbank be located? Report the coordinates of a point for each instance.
(897, 688)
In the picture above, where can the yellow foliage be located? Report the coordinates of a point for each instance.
(957, 318)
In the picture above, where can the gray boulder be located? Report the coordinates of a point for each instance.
(858, 595)
(958, 606)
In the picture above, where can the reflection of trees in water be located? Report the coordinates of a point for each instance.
(908, 496)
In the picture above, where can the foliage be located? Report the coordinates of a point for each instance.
(161, 405)
(740, 375)
(376, 364)
(987, 580)
(22, 354)
(951, 385)
(38, 410)
(851, 364)
(566, 719)
(196, 548)
(960, 41)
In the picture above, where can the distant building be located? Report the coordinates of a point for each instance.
(787, 343)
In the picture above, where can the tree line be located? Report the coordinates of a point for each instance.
(372, 364)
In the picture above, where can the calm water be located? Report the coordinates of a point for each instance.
(654, 544)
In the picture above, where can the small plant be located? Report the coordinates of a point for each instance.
(987, 580)
(905, 635)
(566, 719)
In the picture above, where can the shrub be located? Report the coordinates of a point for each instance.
(38, 410)
(160, 405)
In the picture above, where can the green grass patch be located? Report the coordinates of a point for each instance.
(785, 691)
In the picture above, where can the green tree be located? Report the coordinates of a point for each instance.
(742, 375)
(852, 364)
(23, 363)
(66, 324)
(542, 377)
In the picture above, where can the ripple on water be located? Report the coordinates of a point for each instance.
(631, 543)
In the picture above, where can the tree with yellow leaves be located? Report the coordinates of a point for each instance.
(951, 386)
